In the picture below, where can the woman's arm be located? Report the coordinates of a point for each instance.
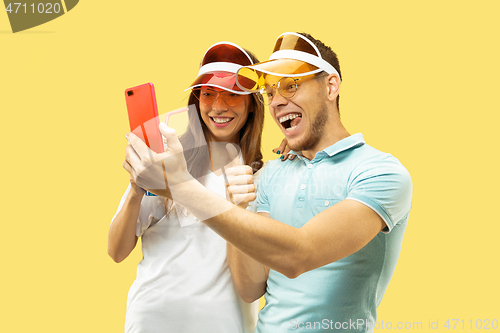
(249, 276)
(121, 236)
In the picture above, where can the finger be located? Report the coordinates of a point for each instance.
(239, 170)
(234, 157)
(281, 147)
(170, 135)
(239, 199)
(128, 168)
(285, 152)
(241, 189)
(286, 155)
(239, 180)
(138, 145)
(132, 157)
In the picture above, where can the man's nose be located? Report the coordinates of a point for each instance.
(278, 100)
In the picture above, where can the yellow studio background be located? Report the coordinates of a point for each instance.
(420, 82)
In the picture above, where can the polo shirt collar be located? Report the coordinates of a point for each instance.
(351, 141)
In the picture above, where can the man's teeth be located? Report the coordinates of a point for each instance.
(288, 117)
(222, 120)
(286, 121)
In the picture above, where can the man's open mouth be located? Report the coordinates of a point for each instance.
(290, 121)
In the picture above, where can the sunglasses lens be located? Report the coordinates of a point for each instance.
(265, 95)
(249, 79)
(205, 96)
(232, 99)
(209, 96)
(287, 87)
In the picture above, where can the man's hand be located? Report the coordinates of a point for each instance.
(239, 180)
(149, 170)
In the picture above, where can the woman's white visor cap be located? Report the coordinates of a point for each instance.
(219, 66)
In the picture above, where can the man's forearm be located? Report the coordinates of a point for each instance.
(270, 242)
(331, 235)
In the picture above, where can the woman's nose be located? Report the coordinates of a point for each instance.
(219, 104)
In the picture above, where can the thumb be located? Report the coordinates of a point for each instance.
(171, 136)
(234, 157)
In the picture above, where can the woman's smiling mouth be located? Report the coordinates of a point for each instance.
(221, 121)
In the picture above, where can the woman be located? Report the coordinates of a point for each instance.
(183, 283)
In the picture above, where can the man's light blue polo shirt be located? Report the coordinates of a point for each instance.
(343, 295)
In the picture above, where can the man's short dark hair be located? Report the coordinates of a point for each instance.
(327, 54)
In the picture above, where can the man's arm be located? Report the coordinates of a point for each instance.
(329, 236)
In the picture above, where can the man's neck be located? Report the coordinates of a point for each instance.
(333, 136)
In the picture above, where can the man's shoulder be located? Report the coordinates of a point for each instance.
(375, 163)
(370, 156)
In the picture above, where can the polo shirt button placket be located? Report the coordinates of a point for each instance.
(306, 176)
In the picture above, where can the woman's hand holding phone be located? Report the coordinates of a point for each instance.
(136, 189)
(157, 172)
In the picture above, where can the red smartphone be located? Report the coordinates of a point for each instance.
(143, 115)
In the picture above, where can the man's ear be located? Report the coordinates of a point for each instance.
(333, 86)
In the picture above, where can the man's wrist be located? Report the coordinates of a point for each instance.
(200, 201)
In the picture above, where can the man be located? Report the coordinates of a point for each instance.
(331, 221)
